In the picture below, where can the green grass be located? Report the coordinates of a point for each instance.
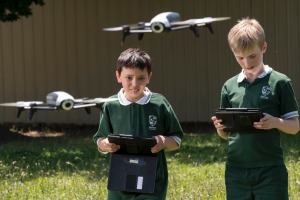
(71, 168)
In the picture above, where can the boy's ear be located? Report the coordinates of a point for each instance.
(264, 48)
(149, 77)
(118, 77)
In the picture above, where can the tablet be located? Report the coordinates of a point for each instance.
(239, 119)
(132, 144)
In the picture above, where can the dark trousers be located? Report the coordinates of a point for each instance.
(264, 183)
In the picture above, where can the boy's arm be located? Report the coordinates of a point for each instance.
(223, 134)
(289, 126)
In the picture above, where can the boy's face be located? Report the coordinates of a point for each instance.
(133, 81)
(251, 60)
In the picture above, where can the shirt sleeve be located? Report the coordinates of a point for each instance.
(224, 102)
(172, 125)
(104, 125)
(288, 103)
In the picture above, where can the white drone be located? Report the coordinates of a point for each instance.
(165, 22)
(58, 100)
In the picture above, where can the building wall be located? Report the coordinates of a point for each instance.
(62, 47)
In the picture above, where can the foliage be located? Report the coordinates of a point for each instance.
(12, 10)
(72, 168)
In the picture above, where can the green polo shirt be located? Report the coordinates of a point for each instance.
(153, 118)
(272, 92)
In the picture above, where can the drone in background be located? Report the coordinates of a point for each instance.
(166, 22)
(58, 100)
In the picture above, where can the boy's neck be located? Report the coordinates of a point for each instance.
(252, 76)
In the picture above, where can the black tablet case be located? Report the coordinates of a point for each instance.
(133, 166)
(132, 144)
(238, 119)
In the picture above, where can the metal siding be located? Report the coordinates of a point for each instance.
(62, 47)
(293, 40)
(8, 91)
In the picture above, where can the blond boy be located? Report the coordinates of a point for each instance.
(255, 166)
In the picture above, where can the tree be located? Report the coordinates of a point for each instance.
(12, 10)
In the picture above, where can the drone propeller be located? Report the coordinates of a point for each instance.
(209, 20)
(193, 23)
(200, 22)
(139, 25)
(23, 104)
(99, 100)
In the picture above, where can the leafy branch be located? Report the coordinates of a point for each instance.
(12, 10)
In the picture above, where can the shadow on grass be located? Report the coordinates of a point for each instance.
(200, 149)
(42, 157)
(41, 150)
(71, 150)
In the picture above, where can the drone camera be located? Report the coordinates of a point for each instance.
(157, 27)
(67, 104)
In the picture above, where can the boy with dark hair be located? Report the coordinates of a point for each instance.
(255, 166)
(139, 112)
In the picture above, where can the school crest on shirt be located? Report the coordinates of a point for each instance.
(265, 91)
(152, 122)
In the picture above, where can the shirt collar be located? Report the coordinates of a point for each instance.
(144, 100)
(267, 70)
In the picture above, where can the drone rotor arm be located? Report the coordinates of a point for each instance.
(88, 110)
(19, 111)
(195, 31)
(140, 28)
(31, 113)
(141, 31)
(209, 26)
(175, 28)
(84, 105)
(140, 36)
(41, 107)
(126, 32)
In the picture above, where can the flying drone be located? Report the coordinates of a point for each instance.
(58, 100)
(166, 22)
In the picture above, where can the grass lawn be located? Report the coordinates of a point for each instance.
(69, 167)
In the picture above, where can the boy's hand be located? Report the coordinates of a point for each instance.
(290, 126)
(218, 123)
(160, 144)
(220, 127)
(105, 146)
(267, 122)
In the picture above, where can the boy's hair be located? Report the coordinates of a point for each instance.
(134, 58)
(245, 35)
